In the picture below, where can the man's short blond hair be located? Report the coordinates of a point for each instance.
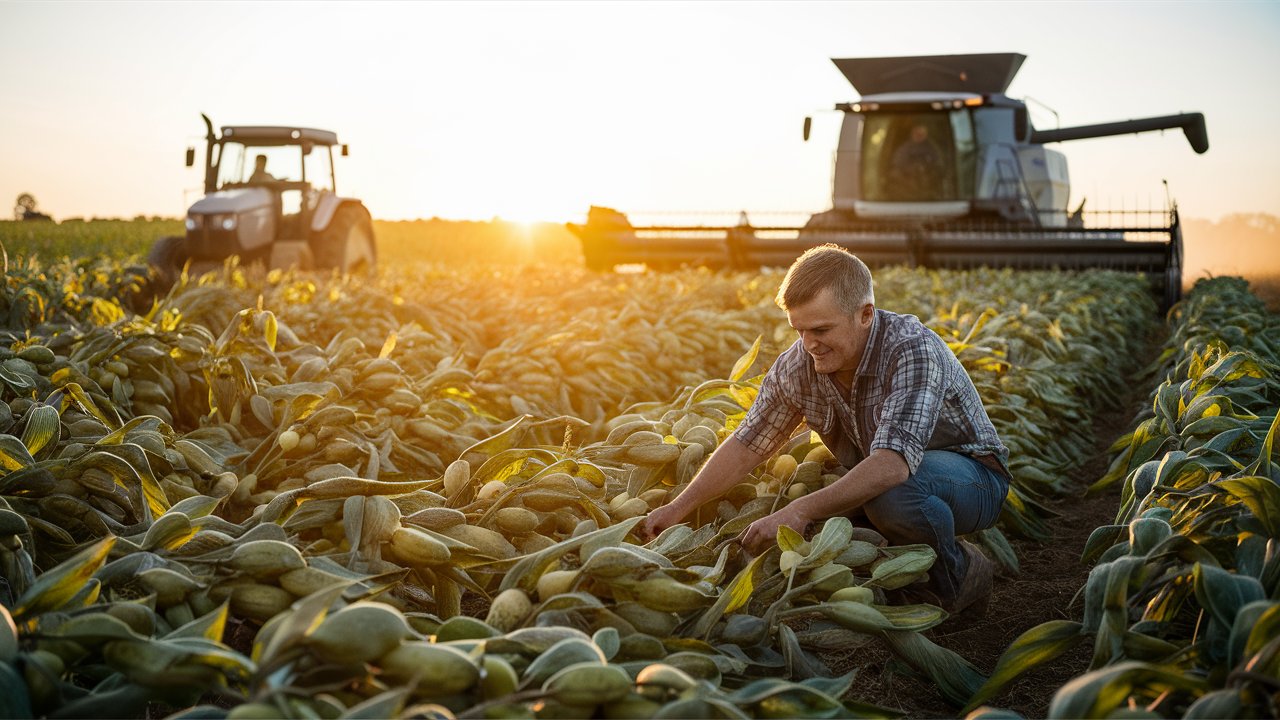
(827, 266)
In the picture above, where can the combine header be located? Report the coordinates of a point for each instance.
(935, 167)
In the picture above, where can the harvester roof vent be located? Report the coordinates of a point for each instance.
(982, 73)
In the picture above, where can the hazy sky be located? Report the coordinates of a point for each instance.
(536, 110)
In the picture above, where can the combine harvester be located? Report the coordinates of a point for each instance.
(936, 167)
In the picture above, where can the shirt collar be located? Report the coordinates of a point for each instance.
(865, 366)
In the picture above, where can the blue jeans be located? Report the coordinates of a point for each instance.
(949, 494)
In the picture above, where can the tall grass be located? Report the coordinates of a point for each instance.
(47, 241)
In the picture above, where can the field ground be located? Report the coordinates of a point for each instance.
(1051, 573)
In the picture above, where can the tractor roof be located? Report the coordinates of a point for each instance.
(273, 135)
(980, 73)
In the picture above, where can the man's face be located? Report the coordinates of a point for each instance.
(832, 338)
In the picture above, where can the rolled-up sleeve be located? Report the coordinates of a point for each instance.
(770, 420)
(913, 404)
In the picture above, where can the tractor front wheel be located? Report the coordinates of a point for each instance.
(347, 244)
(167, 258)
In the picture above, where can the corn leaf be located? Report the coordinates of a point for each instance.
(1097, 693)
(14, 454)
(917, 618)
(1033, 648)
(209, 626)
(44, 428)
(87, 404)
(305, 615)
(388, 345)
(1261, 496)
(55, 588)
(789, 539)
(508, 438)
(734, 596)
(957, 679)
(834, 537)
(745, 362)
(1223, 593)
(523, 572)
(895, 572)
(1263, 465)
(800, 666)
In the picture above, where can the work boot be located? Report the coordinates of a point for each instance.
(917, 593)
(975, 590)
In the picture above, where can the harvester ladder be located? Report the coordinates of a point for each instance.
(1008, 180)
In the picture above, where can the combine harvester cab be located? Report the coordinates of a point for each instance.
(935, 167)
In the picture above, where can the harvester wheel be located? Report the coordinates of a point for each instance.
(347, 244)
(1172, 288)
(166, 258)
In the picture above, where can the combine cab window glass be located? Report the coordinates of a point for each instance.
(918, 156)
(238, 164)
(966, 153)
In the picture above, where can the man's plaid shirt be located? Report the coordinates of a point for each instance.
(910, 394)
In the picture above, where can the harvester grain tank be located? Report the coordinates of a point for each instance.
(270, 196)
(936, 166)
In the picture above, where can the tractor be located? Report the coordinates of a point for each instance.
(270, 197)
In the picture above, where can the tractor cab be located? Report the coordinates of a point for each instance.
(262, 184)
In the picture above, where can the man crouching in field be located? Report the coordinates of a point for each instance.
(892, 402)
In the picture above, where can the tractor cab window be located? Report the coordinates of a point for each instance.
(918, 156)
(255, 164)
(319, 167)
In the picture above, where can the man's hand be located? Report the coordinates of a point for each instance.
(659, 520)
(726, 467)
(762, 532)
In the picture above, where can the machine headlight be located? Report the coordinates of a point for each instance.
(194, 222)
(219, 221)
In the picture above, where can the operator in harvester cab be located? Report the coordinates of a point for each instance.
(260, 174)
(895, 406)
(916, 169)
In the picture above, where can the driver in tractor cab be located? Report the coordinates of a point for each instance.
(260, 174)
(916, 169)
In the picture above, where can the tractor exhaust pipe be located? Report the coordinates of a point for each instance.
(1192, 125)
(210, 137)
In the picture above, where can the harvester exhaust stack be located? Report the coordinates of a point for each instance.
(935, 167)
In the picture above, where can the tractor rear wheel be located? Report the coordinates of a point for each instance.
(167, 258)
(347, 244)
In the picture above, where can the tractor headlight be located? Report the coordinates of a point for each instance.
(227, 222)
(194, 222)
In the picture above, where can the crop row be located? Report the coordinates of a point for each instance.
(1183, 605)
(207, 486)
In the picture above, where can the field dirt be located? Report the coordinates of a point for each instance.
(1050, 576)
